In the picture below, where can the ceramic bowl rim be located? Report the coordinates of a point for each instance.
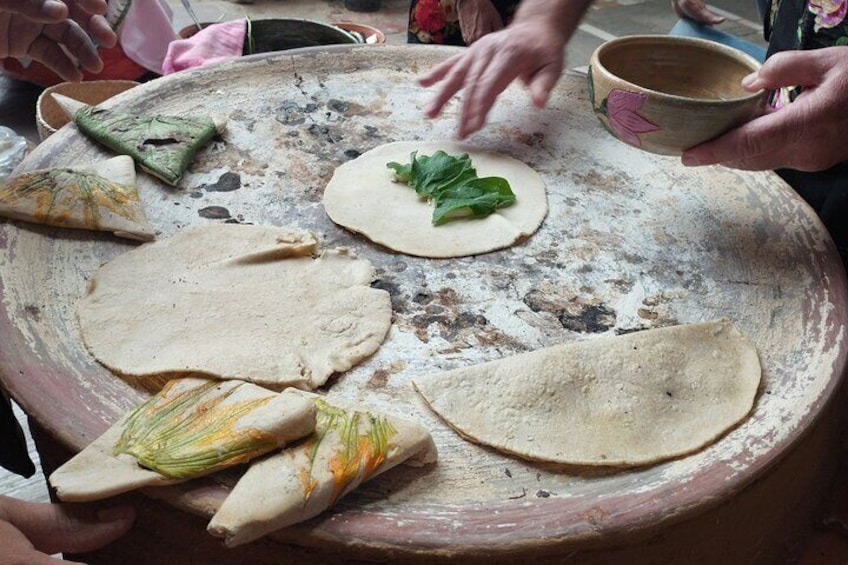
(677, 99)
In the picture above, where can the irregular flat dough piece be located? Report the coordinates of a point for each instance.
(362, 197)
(349, 446)
(101, 196)
(628, 400)
(237, 302)
(212, 424)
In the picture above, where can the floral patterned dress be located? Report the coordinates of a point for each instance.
(812, 24)
(437, 21)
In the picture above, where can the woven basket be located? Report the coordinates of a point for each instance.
(49, 117)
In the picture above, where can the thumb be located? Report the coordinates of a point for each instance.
(55, 528)
(787, 68)
(47, 11)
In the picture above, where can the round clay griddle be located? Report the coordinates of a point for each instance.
(632, 241)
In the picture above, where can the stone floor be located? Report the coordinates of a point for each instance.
(605, 20)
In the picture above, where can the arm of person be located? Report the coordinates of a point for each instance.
(31, 532)
(477, 18)
(807, 134)
(530, 48)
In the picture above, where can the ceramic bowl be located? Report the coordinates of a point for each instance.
(665, 94)
(369, 34)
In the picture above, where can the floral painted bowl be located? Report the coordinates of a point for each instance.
(665, 94)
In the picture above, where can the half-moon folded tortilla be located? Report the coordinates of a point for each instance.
(236, 302)
(193, 427)
(349, 446)
(629, 400)
(101, 196)
(362, 197)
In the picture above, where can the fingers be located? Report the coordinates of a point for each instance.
(696, 10)
(77, 43)
(37, 10)
(788, 68)
(94, 24)
(491, 72)
(54, 528)
(543, 82)
(452, 75)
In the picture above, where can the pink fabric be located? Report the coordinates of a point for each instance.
(217, 42)
(146, 32)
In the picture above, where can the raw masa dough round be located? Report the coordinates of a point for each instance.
(634, 399)
(362, 197)
(235, 302)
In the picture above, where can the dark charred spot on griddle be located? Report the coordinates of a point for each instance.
(394, 293)
(543, 494)
(338, 106)
(588, 318)
(214, 213)
(33, 311)
(507, 472)
(196, 193)
(290, 113)
(352, 153)
(325, 133)
(227, 182)
(372, 131)
(422, 297)
(539, 301)
(379, 379)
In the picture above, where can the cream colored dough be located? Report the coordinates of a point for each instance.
(235, 302)
(628, 400)
(362, 197)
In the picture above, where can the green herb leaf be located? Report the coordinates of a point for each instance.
(451, 183)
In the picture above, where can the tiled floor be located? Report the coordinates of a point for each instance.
(607, 19)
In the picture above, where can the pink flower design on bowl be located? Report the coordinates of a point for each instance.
(621, 107)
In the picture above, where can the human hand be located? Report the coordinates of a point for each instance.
(52, 11)
(478, 18)
(39, 29)
(529, 51)
(30, 532)
(695, 10)
(807, 135)
(44, 42)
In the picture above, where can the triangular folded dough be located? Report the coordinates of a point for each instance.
(193, 427)
(101, 196)
(349, 446)
(162, 145)
(627, 400)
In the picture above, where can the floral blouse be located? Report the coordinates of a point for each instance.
(802, 24)
(437, 21)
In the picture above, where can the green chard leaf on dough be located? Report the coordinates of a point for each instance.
(162, 145)
(452, 184)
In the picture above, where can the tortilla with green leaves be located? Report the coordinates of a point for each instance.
(350, 445)
(368, 196)
(162, 145)
(101, 196)
(193, 427)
